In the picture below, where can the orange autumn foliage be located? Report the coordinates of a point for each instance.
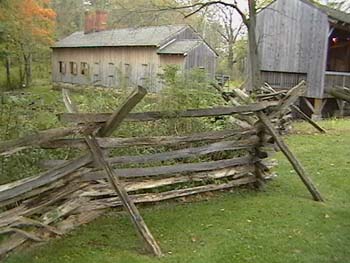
(33, 19)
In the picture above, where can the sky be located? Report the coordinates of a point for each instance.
(243, 5)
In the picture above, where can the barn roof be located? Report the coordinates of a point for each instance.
(180, 47)
(331, 12)
(141, 36)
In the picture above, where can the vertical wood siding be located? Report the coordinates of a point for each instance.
(187, 33)
(107, 65)
(201, 56)
(293, 38)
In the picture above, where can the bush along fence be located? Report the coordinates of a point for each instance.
(70, 193)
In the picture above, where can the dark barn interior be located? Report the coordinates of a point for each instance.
(339, 51)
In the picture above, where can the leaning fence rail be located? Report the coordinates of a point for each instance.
(73, 192)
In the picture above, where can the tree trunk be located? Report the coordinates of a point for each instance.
(8, 71)
(230, 61)
(20, 72)
(255, 74)
(28, 69)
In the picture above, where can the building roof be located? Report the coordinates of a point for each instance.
(331, 12)
(141, 36)
(180, 47)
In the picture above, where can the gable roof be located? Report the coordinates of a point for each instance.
(180, 47)
(141, 36)
(331, 12)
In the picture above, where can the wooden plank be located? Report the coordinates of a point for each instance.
(102, 189)
(17, 239)
(123, 195)
(178, 154)
(150, 141)
(157, 115)
(107, 129)
(308, 119)
(157, 197)
(342, 93)
(172, 169)
(52, 187)
(291, 97)
(13, 146)
(291, 157)
(121, 113)
(20, 187)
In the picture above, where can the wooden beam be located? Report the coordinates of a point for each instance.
(318, 103)
(150, 141)
(157, 197)
(232, 173)
(13, 146)
(308, 119)
(177, 154)
(123, 195)
(342, 93)
(291, 157)
(309, 104)
(20, 187)
(156, 115)
(291, 97)
(121, 113)
(172, 169)
(106, 130)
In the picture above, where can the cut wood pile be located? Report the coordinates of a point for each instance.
(70, 193)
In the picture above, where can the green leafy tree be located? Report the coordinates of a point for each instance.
(28, 27)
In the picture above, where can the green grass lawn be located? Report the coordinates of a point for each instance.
(280, 224)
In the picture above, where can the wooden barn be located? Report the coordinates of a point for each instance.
(299, 39)
(97, 56)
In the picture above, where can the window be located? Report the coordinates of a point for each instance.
(96, 77)
(62, 67)
(111, 70)
(144, 74)
(127, 70)
(84, 68)
(73, 68)
(111, 74)
(127, 73)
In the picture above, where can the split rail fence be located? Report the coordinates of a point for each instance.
(74, 192)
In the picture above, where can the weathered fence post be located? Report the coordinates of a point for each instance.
(290, 156)
(258, 155)
(111, 125)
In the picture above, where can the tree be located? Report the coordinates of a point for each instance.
(228, 33)
(29, 25)
(69, 16)
(248, 20)
(343, 5)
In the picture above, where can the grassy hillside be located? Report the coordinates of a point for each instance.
(280, 224)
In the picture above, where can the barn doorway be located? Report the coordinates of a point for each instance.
(338, 59)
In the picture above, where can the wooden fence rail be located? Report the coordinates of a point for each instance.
(74, 192)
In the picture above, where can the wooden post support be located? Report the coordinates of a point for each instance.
(120, 114)
(290, 98)
(290, 156)
(114, 122)
(259, 174)
(308, 119)
(318, 106)
(341, 105)
(123, 195)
